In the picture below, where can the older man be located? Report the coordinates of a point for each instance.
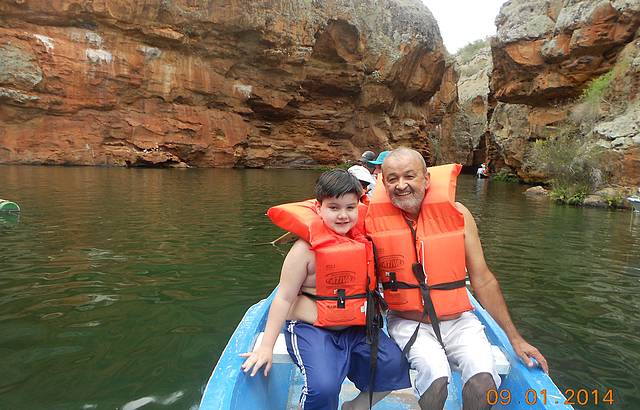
(426, 244)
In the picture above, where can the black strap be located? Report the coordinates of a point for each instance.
(440, 286)
(375, 322)
(340, 297)
(428, 308)
(395, 285)
(375, 306)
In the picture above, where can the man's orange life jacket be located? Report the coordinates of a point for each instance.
(345, 273)
(432, 249)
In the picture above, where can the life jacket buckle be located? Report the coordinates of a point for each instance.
(342, 298)
(393, 281)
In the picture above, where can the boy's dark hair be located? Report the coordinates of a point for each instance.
(335, 183)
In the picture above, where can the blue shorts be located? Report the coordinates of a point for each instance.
(325, 357)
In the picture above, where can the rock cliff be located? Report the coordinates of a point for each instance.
(474, 66)
(557, 66)
(266, 83)
(548, 57)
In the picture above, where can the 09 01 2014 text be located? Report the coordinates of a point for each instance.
(581, 397)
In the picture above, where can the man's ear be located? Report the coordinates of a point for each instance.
(427, 178)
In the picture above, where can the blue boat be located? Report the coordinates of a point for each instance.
(229, 388)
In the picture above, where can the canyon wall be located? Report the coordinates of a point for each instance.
(219, 83)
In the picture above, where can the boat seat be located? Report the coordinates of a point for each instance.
(280, 354)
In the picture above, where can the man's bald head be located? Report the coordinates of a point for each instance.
(404, 153)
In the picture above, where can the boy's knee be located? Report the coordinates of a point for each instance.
(436, 395)
(324, 390)
(474, 392)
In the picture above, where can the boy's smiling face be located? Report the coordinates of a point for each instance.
(340, 214)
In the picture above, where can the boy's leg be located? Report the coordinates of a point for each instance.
(392, 369)
(427, 357)
(322, 362)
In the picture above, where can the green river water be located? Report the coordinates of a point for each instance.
(120, 287)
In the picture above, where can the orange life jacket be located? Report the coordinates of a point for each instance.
(437, 244)
(345, 272)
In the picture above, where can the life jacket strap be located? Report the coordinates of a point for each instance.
(395, 285)
(374, 322)
(340, 298)
(429, 309)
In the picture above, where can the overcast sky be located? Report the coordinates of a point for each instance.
(462, 21)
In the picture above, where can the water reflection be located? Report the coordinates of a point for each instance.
(9, 219)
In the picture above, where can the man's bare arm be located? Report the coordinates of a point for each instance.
(488, 292)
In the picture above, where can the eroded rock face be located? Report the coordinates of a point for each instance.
(474, 96)
(218, 83)
(545, 56)
(514, 129)
(549, 49)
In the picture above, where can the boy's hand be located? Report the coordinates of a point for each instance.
(257, 359)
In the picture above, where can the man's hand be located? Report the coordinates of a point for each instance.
(525, 351)
(257, 359)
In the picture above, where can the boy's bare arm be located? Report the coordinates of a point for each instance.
(294, 272)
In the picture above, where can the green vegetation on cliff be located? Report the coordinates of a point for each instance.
(576, 166)
(466, 53)
(594, 92)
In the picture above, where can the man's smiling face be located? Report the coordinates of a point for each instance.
(406, 181)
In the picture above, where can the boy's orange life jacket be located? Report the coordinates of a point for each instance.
(437, 243)
(344, 264)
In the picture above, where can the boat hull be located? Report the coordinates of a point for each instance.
(229, 388)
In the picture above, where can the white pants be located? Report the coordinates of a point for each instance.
(467, 349)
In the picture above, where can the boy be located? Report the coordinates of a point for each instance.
(325, 282)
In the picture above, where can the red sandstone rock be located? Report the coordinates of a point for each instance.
(545, 55)
(220, 83)
(572, 46)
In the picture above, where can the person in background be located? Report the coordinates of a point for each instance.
(377, 163)
(482, 171)
(364, 160)
(364, 176)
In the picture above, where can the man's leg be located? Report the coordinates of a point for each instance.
(470, 350)
(474, 392)
(427, 357)
(436, 395)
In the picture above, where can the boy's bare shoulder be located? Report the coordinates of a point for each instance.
(300, 249)
(302, 243)
(301, 246)
(300, 256)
